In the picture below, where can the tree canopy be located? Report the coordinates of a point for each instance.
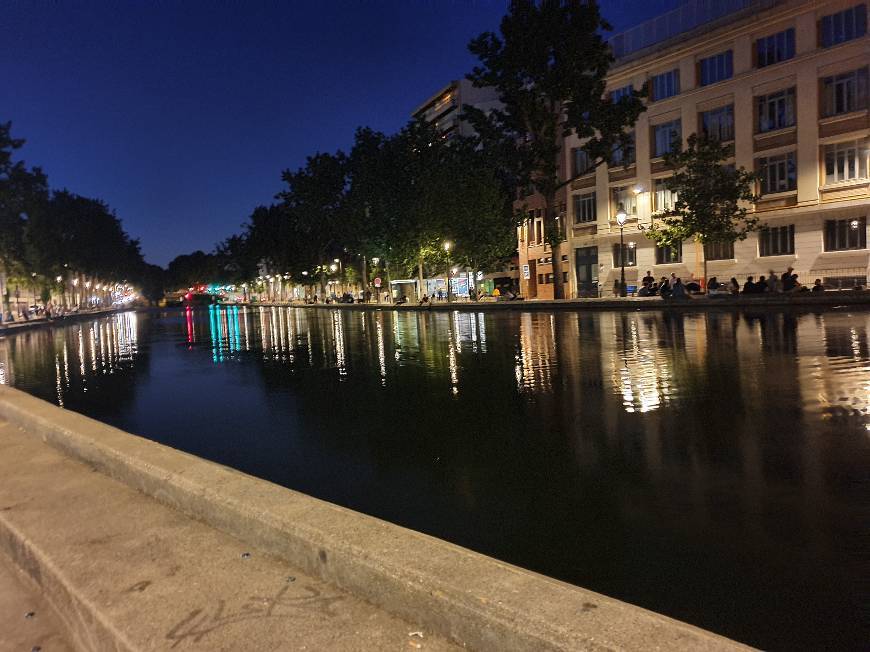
(549, 64)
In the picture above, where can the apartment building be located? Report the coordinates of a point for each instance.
(786, 82)
(444, 109)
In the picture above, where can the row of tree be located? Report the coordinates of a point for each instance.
(388, 206)
(50, 239)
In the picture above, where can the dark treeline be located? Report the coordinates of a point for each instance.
(50, 239)
(394, 199)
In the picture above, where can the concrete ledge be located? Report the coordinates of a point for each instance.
(472, 599)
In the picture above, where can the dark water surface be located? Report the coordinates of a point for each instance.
(712, 467)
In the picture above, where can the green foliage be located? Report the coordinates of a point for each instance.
(549, 64)
(713, 199)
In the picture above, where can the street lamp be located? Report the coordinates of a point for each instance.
(447, 247)
(621, 217)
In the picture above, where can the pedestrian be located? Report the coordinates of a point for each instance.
(616, 287)
(787, 280)
(735, 286)
(678, 290)
(648, 279)
(665, 287)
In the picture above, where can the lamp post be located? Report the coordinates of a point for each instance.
(447, 247)
(621, 216)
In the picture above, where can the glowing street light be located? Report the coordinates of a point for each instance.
(621, 217)
(447, 247)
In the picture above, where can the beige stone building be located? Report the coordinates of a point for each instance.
(787, 83)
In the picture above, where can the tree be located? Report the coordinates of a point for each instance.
(23, 193)
(712, 199)
(549, 66)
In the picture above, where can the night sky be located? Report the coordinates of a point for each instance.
(182, 115)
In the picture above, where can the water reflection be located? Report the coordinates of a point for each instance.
(709, 466)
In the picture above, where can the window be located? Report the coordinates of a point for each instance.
(582, 164)
(846, 161)
(778, 173)
(774, 48)
(624, 155)
(716, 68)
(667, 137)
(776, 110)
(666, 85)
(663, 199)
(719, 123)
(844, 26)
(627, 198)
(776, 241)
(718, 250)
(584, 208)
(842, 235)
(630, 253)
(618, 93)
(669, 254)
(845, 93)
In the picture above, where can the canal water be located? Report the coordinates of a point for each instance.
(712, 466)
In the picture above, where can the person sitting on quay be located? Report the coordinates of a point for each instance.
(644, 289)
(788, 280)
(773, 282)
(817, 286)
(734, 286)
(664, 287)
(653, 289)
(713, 284)
(692, 285)
(648, 279)
(678, 290)
(424, 300)
(761, 285)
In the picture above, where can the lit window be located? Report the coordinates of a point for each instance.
(624, 155)
(582, 164)
(843, 235)
(846, 161)
(663, 198)
(629, 253)
(627, 197)
(617, 94)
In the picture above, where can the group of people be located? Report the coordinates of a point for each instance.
(674, 287)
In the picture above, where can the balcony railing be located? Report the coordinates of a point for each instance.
(683, 19)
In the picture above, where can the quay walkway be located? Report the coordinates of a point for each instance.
(17, 326)
(137, 546)
(803, 300)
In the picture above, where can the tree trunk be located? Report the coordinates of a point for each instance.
(364, 281)
(420, 279)
(552, 233)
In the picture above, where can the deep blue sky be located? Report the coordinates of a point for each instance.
(182, 115)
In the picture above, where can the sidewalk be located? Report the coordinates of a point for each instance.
(132, 574)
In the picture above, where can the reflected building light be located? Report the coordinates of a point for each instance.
(454, 370)
(82, 353)
(481, 321)
(338, 339)
(93, 343)
(66, 362)
(536, 355)
(263, 336)
(58, 382)
(245, 315)
(190, 336)
(382, 359)
(641, 373)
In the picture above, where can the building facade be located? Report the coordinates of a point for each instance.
(786, 82)
(444, 109)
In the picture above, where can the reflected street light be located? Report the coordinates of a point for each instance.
(621, 217)
(447, 247)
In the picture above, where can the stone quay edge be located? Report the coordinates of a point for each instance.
(471, 599)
